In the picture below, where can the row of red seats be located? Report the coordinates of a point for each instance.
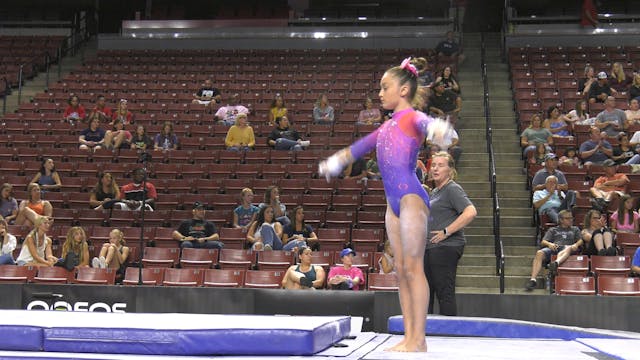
(604, 285)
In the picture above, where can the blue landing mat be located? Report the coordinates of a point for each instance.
(169, 334)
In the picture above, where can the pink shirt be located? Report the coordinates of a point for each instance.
(352, 273)
(624, 226)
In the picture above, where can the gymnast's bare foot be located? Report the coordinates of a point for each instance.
(409, 346)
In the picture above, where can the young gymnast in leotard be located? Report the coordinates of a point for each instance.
(397, 143)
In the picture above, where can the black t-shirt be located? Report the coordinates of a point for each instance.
(596, 90)
(197, 228)
(290, 230)
(288, 133)
(358, 167)
(447, 47)
(445, 102)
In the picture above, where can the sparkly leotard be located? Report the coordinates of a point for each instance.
(397, 143)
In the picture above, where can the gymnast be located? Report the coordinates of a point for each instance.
(397, 143)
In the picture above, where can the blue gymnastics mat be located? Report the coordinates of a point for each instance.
(169, 334)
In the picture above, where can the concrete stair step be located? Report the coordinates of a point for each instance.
(507, 240)
(513, 250)
(510, 291)
(516, 283)
(505, 231)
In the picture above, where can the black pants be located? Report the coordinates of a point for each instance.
(440, 266)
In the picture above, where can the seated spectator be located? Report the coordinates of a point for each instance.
(304, 275)
(283, 137)
(197, 232)
(140, 140)
(611, 120)
(114, 254)
(133, 196)
(609, 186)
(600, 90)
(589, 79)
(75, 250)
(444, 102)
(618, 79)
(373, 171)
(9, 244)
(8, 204)
(74, 113)
(425, 75)
(323, 112)
(570, 157)
(550, 200)
(634, 89)
(101, 110)
(246, 212)
(122, 113)
(48, 178)
(580, 113)
(117, 137)
(449, 47)
(208, 95)
(538, 182)
(635, 263)
(33, 207)
(166, 140)
(539, 156)
(355, 170)
(346, 276)
(240, 136)
(36, 248)
(265, 233)
(562, 240)
(535, 134)
(387, 263)
(226, 115)
(299, 232)
(595, 150)
(92, 138)
(632, 114)
(635, 140)
(104, 193)
(277, 109)
(369, 115)
(624, 152)
(449, 143)
(598, 239)
(556, 122)
(272, 198)
(449, 80)
(629, 221)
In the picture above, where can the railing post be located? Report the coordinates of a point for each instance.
(59, 63)
(47, 60)
(20, 83)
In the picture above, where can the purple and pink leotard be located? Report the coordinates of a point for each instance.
(397, 143)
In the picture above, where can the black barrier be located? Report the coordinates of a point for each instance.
(11, 297)
(78, 298)
(194, 300)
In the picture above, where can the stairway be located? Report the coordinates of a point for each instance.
(476, 273)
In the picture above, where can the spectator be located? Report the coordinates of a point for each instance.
(265, 233)
(589, 79)
(272, 197)
(140, 140)
(562, 240)
(277, 109)
(9, 244)
(635, 263)
(104, 193)
(198, 232)
(133, 195)
(323, 112)
(450, 143)
(629, 221)
(595, 150)
(551, 200)
(346, 276)
(166, 140)
(624, 153)
(570, 157)
(634, 89)
(117, 137)
(373, 171)
(355, 170)
(589, 14)
(75, 250)
(632, 114)
(598, 239)
(535, 134)
(299, 232)
(425, 75)
(556, 122)
(122, 113)
(449, 47)
(369, 115)
(113, 254)
(207, 95)
(8, 204)
(101, 110)
(283, 137)
(92, 138)
(246, 212)
(33, 207)
(635, 140)
(240, 136)
(580, 113)
(619, 80)
(539, 156)
(74, 112)
(451, 211)
(608, 186)
(550, 168)
(449, 80)
(445, 102)
(611, 120)
(226, 115)
(304, 275)
(36, 248)
(600, 90)
(48, 178)
(387, 263)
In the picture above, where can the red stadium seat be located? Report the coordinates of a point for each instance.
(224, 278)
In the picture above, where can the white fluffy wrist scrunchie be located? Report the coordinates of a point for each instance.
(331, 167)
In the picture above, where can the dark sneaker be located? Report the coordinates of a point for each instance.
(306, 282)
(611, 251)
(553, 268)
(531, 284)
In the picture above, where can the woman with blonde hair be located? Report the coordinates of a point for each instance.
(323, 112)
(33, 206)
(36, 248)
(75, 250)
(617, 78)
(240, 136)
(113, 254)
